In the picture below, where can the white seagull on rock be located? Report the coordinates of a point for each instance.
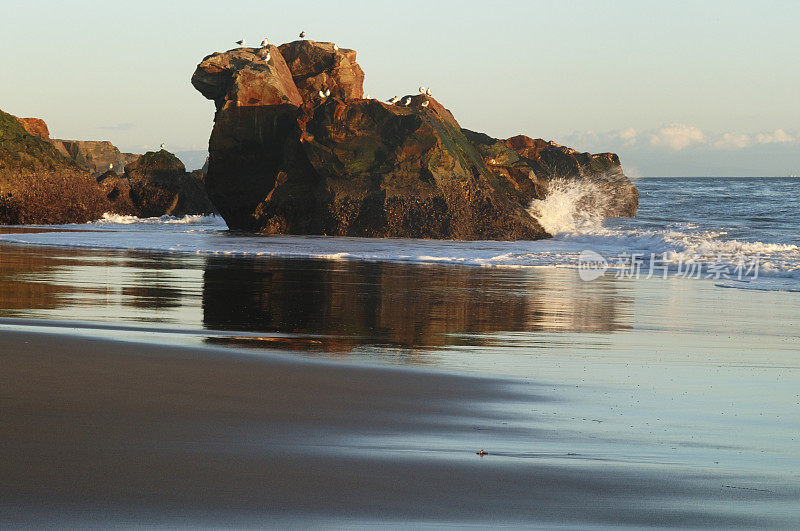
(302, 34)
(327, 92)
(111, 166)
(425, 103)
(393, 100)
(422, 90)
(335, 47)
(163, 145)
(321, 94)
(265, 42)
(267, 57)
(429, 92)
(241, 42)
(406, 101)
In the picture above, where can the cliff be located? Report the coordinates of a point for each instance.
(38, 184)
(296, 149)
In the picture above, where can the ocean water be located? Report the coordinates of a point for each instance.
(737, 232)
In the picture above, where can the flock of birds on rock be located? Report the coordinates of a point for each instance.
(405, 101)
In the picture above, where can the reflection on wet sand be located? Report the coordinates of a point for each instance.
(108, 286)
(347, 304)
(307, 305)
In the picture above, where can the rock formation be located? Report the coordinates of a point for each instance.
(159, 184)
(46, 181)
(284, 159)
(40, 185)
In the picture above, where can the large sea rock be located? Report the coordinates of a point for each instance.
(158, 184)
(285, 160)
(38, 184)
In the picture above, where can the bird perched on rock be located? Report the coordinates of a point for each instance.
(422, 90)
(327, 92)
(393, 100)
(302, 34)
(267, 57)
(406, 101)
(265, 42)
(335, 47)
(321, 94)
(241, 42)
(110, 166)
(425, 103)
(429, 92)
(365, 96)
(163, 145)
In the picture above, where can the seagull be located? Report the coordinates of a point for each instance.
(302, 34)
(393, 100)
(265, 42)
(321, 94)
(327, 92)
(335, 47)
(422, 90)
(406, 101)
(163, 145)
(366, 96)
(110, 166)
(425, 103)
(241, 42)
(428, 92)
(267, 57)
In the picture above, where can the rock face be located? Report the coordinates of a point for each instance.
(159, 184)
(285, 160)
(531, 166)
(320, 66)
(39, 185)
(93, 155)
(36, 127)
(243, 78)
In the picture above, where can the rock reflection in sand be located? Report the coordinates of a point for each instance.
(346, 304)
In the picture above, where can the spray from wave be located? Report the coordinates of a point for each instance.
(570, 206)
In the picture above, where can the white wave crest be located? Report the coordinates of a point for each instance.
(120, 219)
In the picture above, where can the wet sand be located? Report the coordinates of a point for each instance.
(96, 432)
(624, 403)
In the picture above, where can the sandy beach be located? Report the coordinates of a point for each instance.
(163, 406)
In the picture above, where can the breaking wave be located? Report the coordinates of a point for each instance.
(121, 219)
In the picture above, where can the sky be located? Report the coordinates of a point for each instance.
(701, 88)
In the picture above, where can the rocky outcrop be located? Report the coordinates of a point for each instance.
(35, 126)
(39, 185)
(159, 184)
(344, 166)
(285, 160)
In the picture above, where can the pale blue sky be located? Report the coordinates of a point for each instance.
(676, 88)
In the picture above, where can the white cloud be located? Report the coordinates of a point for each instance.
(779, 136)
(733, 141)
(677, 136)
(628, 136)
